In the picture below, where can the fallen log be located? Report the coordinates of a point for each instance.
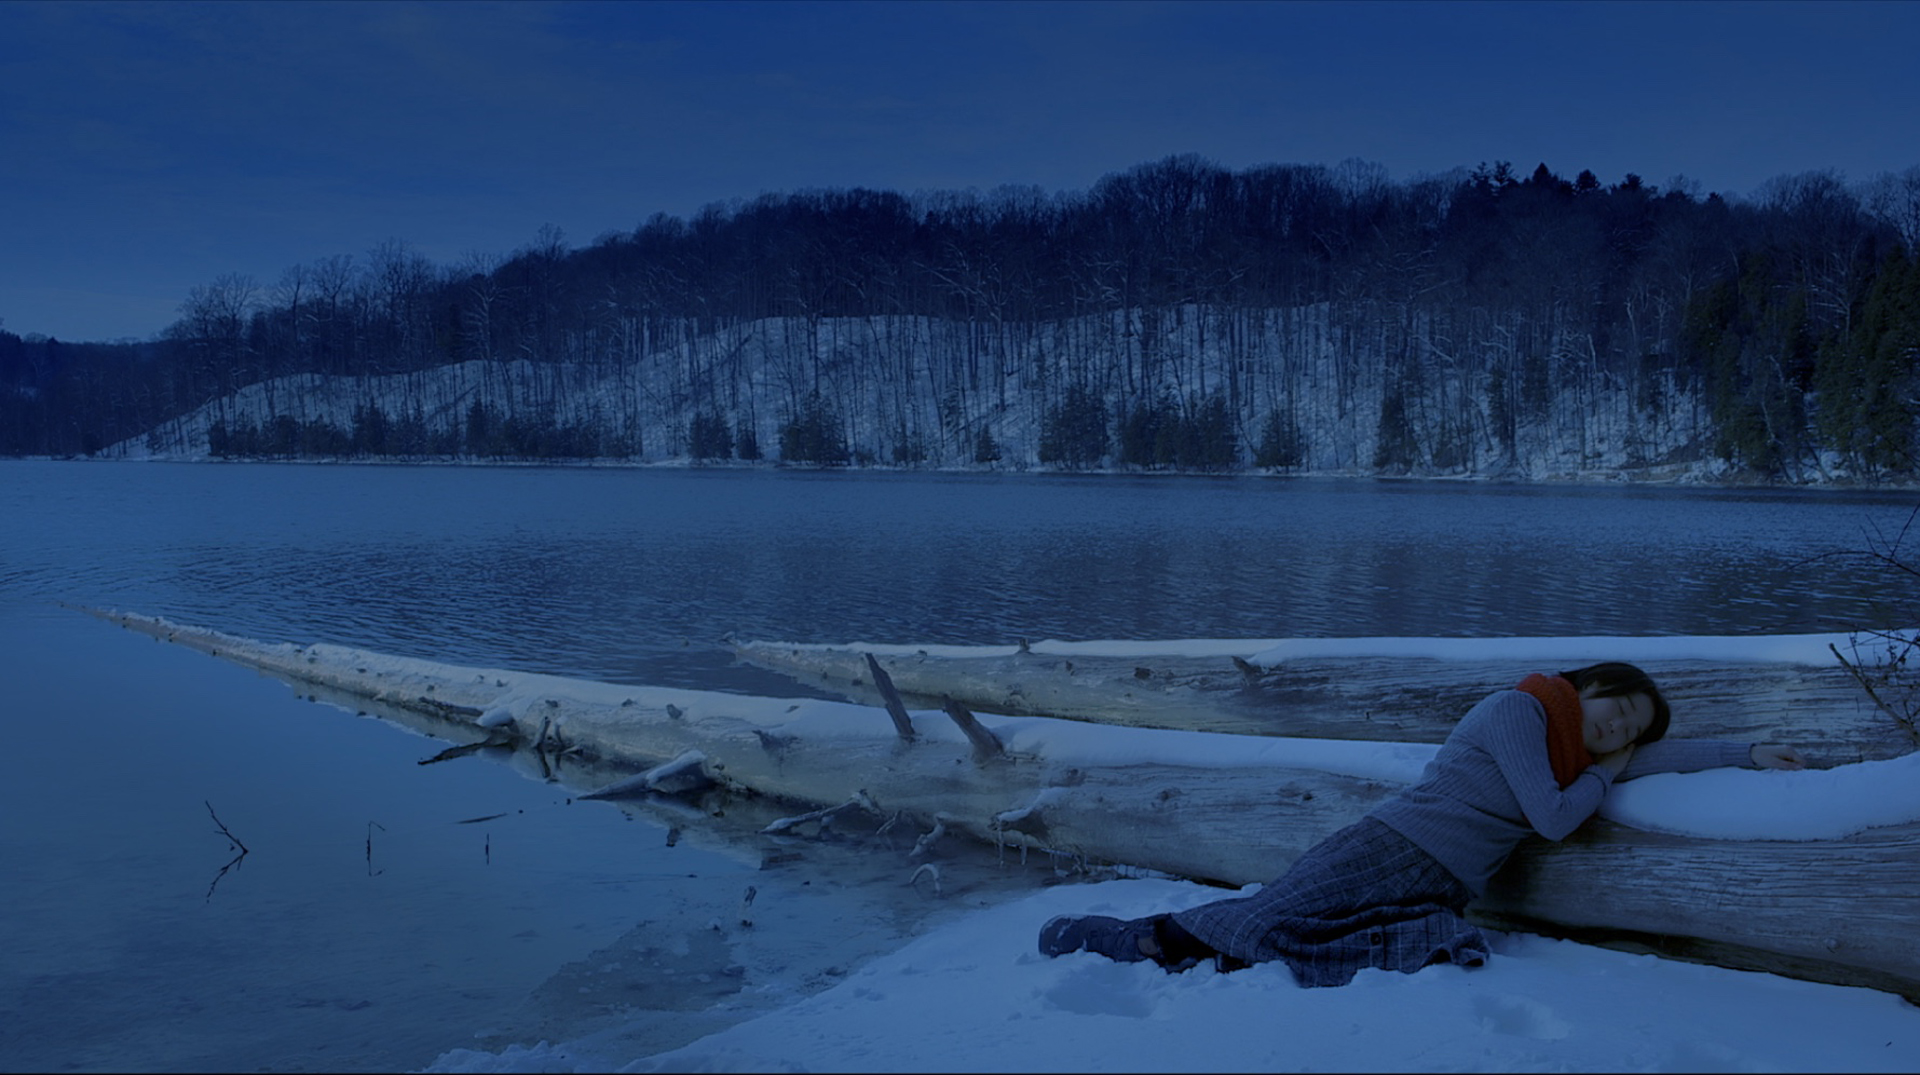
(1814, 703)
(1186, 803)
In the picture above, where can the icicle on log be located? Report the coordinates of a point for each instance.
(1837, 910)
(1818, 707)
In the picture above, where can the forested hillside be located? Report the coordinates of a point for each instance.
(1177, 315)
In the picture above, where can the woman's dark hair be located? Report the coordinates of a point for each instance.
(1615, 679)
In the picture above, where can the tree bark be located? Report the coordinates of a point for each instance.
(1821, 709)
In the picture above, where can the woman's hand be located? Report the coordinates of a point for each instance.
(1615, 762)
(1770, 756)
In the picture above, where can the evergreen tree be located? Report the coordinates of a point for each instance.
(1500, 411)
(985, 448)
(370, 430)
(407, 437)
(1886, 343)
(1395, 448)
(1281, 445)
(1170, 446)
(908, 448)
(707, 437)
(1140, 433)
(814, 436)
(480, 430)
(284, 438)
(1073, 432)
(1211, 441)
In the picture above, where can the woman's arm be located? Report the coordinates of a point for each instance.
(1693, 755)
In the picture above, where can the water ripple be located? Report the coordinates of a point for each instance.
(637, 575)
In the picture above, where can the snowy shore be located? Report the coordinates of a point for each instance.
(971, 993)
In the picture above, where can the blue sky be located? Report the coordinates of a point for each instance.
(151, 147)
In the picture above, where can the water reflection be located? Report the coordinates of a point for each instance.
(628, 573)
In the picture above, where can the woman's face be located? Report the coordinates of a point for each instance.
(1612, 723)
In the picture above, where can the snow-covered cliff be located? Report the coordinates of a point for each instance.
(1354, 397)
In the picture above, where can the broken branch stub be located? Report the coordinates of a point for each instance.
(985, 743)
(686, 772)
(895, 707)
(824, 817)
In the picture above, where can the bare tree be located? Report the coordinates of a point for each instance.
(215, 318)
(1886, 661)
(1894, 199)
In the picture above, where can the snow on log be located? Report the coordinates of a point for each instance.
(1367, 690)
(1234, 809)
(684, 773)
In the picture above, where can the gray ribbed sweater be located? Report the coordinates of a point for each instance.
(1491, 786)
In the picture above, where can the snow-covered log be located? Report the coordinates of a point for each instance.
(1788, 689)
(1233, 809)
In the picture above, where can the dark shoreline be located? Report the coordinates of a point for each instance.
(1669, 476)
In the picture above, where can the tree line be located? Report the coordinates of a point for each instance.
(1176, 314)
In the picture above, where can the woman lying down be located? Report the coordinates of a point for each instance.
(1390, 891)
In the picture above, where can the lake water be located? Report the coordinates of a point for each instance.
(369, 929)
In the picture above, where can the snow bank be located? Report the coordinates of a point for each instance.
(975, 996)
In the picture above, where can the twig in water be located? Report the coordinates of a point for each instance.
(233, 843)
(926, 869)
(452, 752)
(372, 825)
(224, 831)
(824, 817)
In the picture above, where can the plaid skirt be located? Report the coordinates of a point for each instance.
(1363, 897)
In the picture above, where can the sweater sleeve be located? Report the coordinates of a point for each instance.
(1516, 737)
(1687, 756)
